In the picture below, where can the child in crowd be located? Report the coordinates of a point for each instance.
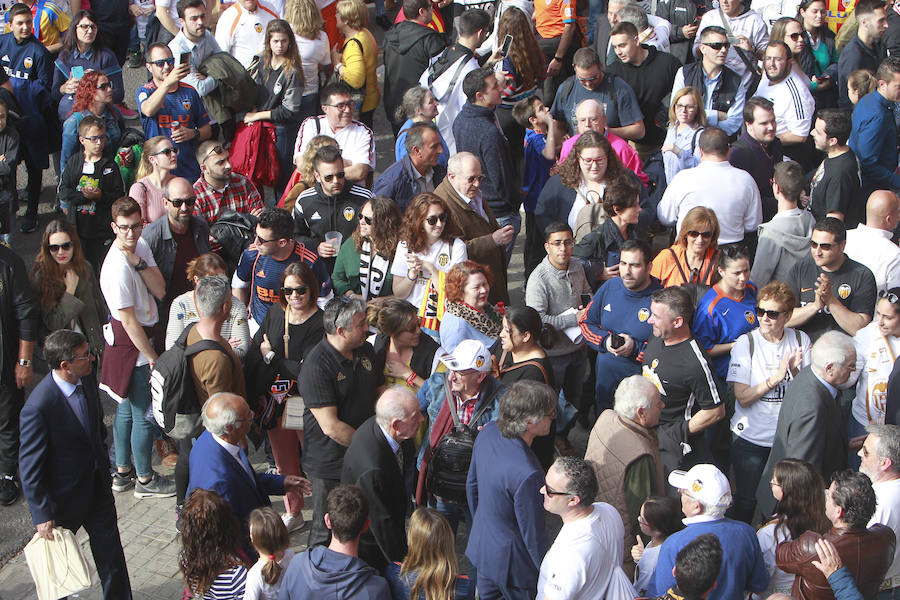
(270, 537)
(540, 154)
(143, 11)
(89, 184)
(660, 517)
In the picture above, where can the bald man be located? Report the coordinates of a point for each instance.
(219, 462)
(871, 244)
(381, 460)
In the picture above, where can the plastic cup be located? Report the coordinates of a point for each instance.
(334, 238)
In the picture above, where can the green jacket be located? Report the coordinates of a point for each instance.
(346, 272)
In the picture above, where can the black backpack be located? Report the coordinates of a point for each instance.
(175, 405)
(450, 460)
(233, 232)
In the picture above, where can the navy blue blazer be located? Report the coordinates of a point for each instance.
(508, 536)
(213, 468)
(58, 459)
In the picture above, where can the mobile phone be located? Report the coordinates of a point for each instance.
(585, 299)
(616, 340)
(77, 72)
(184, 58)
(507, 42)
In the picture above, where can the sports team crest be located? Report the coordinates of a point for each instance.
(27, 62)
(443, 259)
(258, 27)
(844, 291)
(186, 104)
(750, 317)
(643, 314)
(349, 213)
(366, 363)
(479, 361)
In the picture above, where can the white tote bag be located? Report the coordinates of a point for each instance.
(57, 566)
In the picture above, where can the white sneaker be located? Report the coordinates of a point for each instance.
(294, 523)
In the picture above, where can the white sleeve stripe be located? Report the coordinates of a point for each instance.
(704, 364)
(795, 96)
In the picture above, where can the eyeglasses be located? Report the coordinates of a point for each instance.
(717, 45)
(685, 107)
(340, 309)
(167, 151)
(289, 291)
(826, 246)
(883, 294)
(551, 492)
(567, 243)
(433, 219)
(177, 202)
(93, 138)
(706, 235)
(593, 161)
(124, 229)
(88, 356)
(54, 248)
(328, 178)
(348, 105)
(474, 178)
(87, 27)
(364, 219)
(214, 150)
(260, 240)
(772, 314)
(162, 62)
(795, 36)
(104, 86)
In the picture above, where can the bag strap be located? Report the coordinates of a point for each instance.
(485, 406)
(448, 396)
(287, 335)
(678, 264)
(515, 366)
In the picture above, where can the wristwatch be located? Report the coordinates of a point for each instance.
(23, 362)
(142, 264)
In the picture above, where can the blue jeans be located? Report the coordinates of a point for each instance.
(597, 10)
(133, 432)
(748, 461)
(514, 219)
(889, 594)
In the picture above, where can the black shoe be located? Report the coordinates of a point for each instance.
(383, 21)
(9, 489)
(28, 225)
(136, 60)
(178, 509)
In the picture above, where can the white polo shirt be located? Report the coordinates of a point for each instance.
(243, 34)
(874, 248)
(356, 141)
(794, 103)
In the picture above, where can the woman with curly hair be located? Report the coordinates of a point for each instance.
(210, 558)
(425, 254)
(797, 488)
(93, 96)
(467, 314)
(430, 570)
(158, 158)
(303, 176)
(66, 285)
(363, 264)
(575, 195)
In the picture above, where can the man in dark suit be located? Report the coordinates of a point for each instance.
(508, 537)
(381, 460)
(219, 462)
(810, 426)
(63, 459)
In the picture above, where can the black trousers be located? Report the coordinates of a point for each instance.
(319, 534)
(11, 401)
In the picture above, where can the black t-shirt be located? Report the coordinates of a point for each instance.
(329, 379)
(835, 187)
(853, 284)
(186, 252)
(526, 372)
(683, 376)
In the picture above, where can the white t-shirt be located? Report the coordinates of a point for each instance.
(313, 53)
(780, 581)
(356, 141)
(441, 254)
(173, 10)
(875, 356)
(243, 34)
(794, 104)
(584, 556)
(256, 589)
(646, 567)
(887, 512)
(756, 423)
(123, 287)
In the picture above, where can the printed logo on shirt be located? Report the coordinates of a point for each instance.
(803, 290)
(142, 96)
(258, 27)
(643, 314)
(316, 215)
(750, 317)
(443, 259)
(341, 377)
(844, 291)
(261, 273)
(650, 373)
(186, 104)
(5, 58)
(607, 308)
(27, 62)
(366, 363)
(349, 213)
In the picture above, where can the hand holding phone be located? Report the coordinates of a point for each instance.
(507, 43)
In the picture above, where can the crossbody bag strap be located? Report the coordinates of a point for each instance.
(485, 406)
(287, 334)
(678, 264)
(534, 363)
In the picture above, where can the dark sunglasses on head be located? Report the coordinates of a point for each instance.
(289, 291)
(163, 61)
(330, 176)
(365, 219)
(706, 235)
(824, 246)
(883, 294)
(177, 202)
(104, 86)
(433, 219)
(772, 314)
(54, 248)
(718, 45)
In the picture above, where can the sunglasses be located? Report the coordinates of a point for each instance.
(177, 202)
(214, 150)
(104, 86)
(173, 150)
(795, 36)
(706, 235)
(433, 219)
(162, 62)
(551, 492)
(772, 314)
(364, 219)
(54, 248)
(328, 178)
(824, 246)
(717, 45)
(299, 290)
(883, 294)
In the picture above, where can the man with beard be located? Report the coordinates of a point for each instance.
(835, 189)
(758, 150)
(219, 188)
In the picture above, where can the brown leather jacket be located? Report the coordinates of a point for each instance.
(868, 554)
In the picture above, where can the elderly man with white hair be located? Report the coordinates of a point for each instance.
(880, 456)
(810, 426)
(381, 460)
(705, 496)
(624, 451)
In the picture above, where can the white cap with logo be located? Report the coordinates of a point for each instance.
(469, 354)
(703, 482)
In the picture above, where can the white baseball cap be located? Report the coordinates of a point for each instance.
(704, 482)
(469, 354)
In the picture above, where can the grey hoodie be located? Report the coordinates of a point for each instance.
(782, 242)
(323, 574)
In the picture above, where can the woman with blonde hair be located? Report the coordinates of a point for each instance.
(303, 177)
(860, 83)
(357, 59)
(687, 120)
(159, 158)
(692, 258)
(306, 20)
(430, 570)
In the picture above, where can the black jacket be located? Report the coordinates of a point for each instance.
(315, 214)
(371, 464)
(856, 55)
(94, 224)
(749, 155)
(680, 13)
(19, 312)
(158, 236)
(408, 48)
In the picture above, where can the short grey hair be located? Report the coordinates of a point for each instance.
(225, 417)
(717, 509)
(212, 292)
(456, 161)
(522, 403)
(888, 444)
(833, 348)
(340, 312)
(634, 392)
(415, 136)
(634, 14)
(393, 405)
(582, 478)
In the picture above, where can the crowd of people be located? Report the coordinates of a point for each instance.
(711, 295)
